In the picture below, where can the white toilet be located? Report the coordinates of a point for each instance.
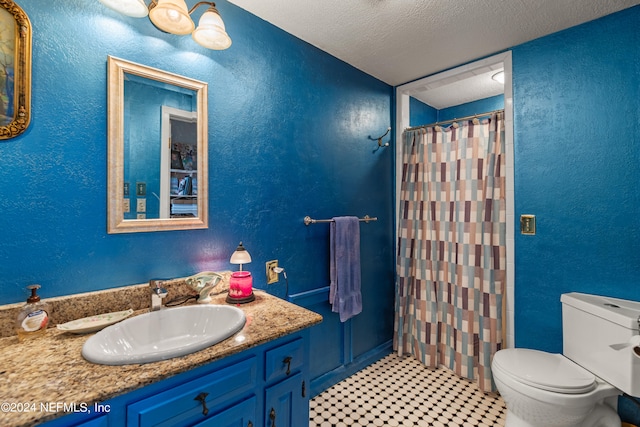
(580, 388)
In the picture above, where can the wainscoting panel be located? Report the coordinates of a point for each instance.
(332, 344)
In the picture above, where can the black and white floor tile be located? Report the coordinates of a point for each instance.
(402, 392)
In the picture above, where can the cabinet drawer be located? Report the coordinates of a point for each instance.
(96, 422)
(284, 360)
(179, 406)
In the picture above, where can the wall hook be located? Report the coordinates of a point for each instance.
(379, 139)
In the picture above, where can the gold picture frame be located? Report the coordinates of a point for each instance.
(15, 70)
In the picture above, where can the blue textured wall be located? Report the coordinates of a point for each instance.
(288, 127)
(421, 113)
(577, 168)
(471, 108)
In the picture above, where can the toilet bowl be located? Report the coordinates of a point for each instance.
(579, 388)
(545, 389)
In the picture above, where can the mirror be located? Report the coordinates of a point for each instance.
(157, 150)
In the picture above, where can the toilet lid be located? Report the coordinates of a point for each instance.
(546, 371)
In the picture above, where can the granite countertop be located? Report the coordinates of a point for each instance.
(51, 368)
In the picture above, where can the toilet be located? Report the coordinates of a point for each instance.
(579, 388)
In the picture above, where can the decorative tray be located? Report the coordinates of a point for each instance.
(94, 323)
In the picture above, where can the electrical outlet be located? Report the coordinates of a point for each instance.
(141, 205)
(126, 206)
(272, 276)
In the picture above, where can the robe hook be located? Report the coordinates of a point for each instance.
(379, 139)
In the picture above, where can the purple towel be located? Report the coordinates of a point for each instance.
(344, 291)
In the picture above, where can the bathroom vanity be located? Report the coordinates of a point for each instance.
(258, 377)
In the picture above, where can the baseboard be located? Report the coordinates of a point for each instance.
(324, 381)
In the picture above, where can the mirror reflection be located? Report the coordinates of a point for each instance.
(179, 191)
(157, 150)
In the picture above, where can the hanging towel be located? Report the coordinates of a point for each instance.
(344, 291)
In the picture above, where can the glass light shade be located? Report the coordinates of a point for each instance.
(240, 256)
(211, 32)
(499, 77)
(172, 16)
(133, 8)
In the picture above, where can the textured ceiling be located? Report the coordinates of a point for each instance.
(398, 41)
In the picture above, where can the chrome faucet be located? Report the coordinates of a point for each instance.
(158, 293)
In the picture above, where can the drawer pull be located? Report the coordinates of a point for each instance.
(287, 360)
(272, 417)
(202, 398)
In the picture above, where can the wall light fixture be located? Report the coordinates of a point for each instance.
(173, 16)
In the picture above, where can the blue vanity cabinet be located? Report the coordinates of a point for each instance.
(264, 386)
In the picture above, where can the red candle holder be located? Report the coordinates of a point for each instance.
(240, 288)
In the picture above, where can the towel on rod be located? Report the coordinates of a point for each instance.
(344, 290)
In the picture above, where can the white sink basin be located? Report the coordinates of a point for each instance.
(163, 334)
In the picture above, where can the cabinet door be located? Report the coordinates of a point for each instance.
(241, 415)
(287, 404)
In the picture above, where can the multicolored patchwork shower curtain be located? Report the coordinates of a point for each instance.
(452, 247)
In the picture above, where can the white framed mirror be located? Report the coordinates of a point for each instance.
(157, 150)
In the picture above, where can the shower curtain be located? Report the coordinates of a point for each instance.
(452, 247)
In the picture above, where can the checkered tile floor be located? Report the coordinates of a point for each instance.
(402, 392)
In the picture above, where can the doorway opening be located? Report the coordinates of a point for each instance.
(436, 87)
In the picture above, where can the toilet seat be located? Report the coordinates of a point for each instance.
(545, 371)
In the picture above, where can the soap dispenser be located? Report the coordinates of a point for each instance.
(34, 317)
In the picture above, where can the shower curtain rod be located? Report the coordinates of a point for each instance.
(445, 122)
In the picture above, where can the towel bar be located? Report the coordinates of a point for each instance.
(308, 220)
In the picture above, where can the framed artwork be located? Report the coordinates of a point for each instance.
(15, 70)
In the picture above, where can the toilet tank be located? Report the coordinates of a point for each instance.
(601, 334)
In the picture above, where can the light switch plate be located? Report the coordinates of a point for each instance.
(528, 224)
(141, 188)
